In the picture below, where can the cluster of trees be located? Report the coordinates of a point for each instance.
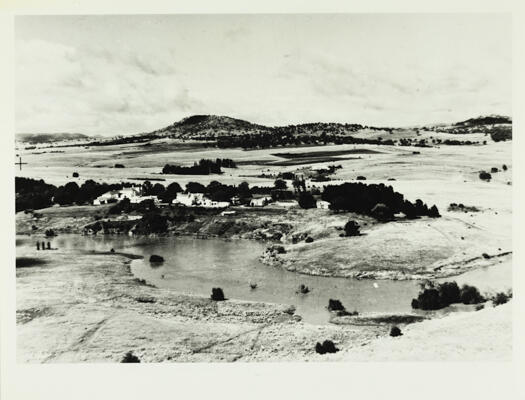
(501, 133)
(280, 137)
(71, 193)
(203, 167)
(36, 194)
(363, 199)
(221, 192)
(436, 296)
(165, 194)
(31, 194)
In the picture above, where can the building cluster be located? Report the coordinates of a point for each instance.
(134, 195)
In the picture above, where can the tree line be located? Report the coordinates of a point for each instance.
(203, 167)
(377, 200)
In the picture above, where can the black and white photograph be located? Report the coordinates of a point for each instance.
(268, 187)
(263, 187)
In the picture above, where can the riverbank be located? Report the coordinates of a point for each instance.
(309, 241)
(84, 306)
(77, 306)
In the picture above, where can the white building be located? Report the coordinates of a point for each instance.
(131, 193)
(325, 205)
(198, 200)
(260, 201)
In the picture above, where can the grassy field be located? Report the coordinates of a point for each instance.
(444, 175)
(83, 307)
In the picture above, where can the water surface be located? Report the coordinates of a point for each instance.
(195, 266)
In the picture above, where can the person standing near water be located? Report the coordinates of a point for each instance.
(49, 245)
(38, 245)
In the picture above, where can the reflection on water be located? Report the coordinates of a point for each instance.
(195, 266)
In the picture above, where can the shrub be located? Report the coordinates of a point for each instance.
(361, 178)
(119, 166)
(327, 347)
(470, 295)
(352, 228)
(494, 169)
(501, 298)
(485, 176)
(429, 300)
(434, 212)
(449, 293)
(217, 294)
(395, 331)
(433, 297)
(309, 239)
(303, 289)
(130, 358)
(50, 233)
(75, 175)
(504, 167)
(156, 259)
(306, 200)
(335, 305)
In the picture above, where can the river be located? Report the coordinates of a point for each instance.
(195, 266)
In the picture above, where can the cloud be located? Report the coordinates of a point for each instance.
(77, 88)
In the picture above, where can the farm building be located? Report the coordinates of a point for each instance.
(198, 200)
(325, 205)
(260, 201)
(113, 196)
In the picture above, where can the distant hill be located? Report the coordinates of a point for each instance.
(485, 120)
(227, 132)
(36, 138)
(499, 127)
(210, 126)
(216, 126)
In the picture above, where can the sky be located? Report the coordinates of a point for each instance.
(112, 75)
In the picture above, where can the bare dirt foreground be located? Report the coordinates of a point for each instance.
(78, 307)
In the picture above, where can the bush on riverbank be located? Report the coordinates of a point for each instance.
(470, 295)
(501, 298)
(435, 297)
(361, 198)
